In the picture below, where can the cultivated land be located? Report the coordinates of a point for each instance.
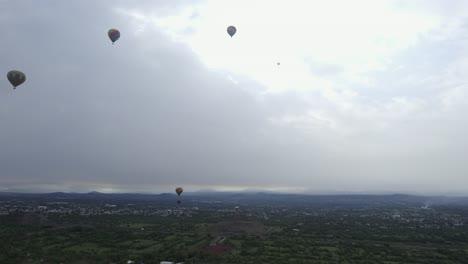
(207, 228)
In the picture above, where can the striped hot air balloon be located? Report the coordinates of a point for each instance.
(113, 34)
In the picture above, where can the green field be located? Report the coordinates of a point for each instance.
(113, 239)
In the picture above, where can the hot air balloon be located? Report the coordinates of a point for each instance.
(231, 30)
(113, 34)
(16, 78)
(179, 191)
(278, 63)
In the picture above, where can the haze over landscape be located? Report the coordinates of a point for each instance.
(369, 96)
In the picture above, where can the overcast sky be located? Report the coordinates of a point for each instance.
(369, 96)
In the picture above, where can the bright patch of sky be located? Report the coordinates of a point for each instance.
(353, 38)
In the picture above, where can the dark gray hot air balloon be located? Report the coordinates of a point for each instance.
(16, 78)
(231, 30)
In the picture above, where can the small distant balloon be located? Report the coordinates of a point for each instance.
(231, 30)
(16, 78)
(179, 190)
(113, 34)
(278, 63)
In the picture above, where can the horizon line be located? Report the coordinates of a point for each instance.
(382, 193)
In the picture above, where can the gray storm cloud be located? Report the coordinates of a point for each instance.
(146, 113)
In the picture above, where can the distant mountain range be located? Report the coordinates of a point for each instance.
(245, 197)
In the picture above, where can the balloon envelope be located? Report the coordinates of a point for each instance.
(113, 34)
(16, 78)
(231, 30)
